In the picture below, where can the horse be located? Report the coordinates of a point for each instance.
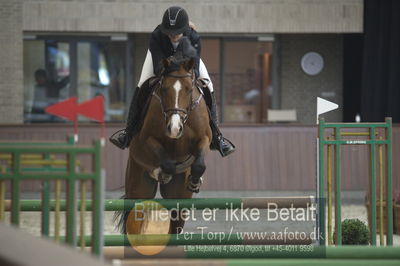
(171, 145)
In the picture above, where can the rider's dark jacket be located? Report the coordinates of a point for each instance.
(161, 47)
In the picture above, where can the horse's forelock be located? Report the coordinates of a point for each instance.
(176, 62)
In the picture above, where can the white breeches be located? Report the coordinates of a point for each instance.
(204, 75)
(148, 71)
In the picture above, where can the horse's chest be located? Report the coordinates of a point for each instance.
(178, 148)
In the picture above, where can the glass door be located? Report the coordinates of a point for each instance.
(46, 77)
(56, 68)
(101, 71)
(247, 80)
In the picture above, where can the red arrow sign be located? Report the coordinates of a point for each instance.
(93, 108)
(69, 109)
(65, 109)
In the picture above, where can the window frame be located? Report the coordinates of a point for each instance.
(73, 39)
(275, 66)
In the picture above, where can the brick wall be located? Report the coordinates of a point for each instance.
(245, 16)
(299, 90)
(11, 78)
(209, 15)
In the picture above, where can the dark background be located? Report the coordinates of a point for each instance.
(371, 73)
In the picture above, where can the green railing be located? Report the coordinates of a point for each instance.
(183, 204)
(379, 137)
(35, 162)
(15, 173)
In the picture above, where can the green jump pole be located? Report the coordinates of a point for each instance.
(338, 189)
(373, 189)
(189, 239)
(354, 253)
(45, 208)
(16, 189)
(98, 206)
(309, 262)
(45, 201)
(389, 185)
(342, 252)
(198, 203)
(71, 205)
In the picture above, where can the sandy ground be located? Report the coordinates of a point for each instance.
(30, 222)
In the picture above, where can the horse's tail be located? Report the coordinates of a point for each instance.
(120, 218)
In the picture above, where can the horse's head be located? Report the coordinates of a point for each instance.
(176, 95)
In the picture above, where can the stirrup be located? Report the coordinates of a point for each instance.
(120, 139)
(229, 147)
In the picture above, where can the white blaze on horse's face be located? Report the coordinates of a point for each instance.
(177, 87)
(175, 125)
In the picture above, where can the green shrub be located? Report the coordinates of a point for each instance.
(354, 232)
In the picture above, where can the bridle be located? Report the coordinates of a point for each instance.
(183, 113)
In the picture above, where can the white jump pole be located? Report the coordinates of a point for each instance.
(323, 106)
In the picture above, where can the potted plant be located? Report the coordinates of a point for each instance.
(354, 232)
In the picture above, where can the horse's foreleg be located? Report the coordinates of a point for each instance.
(176, 190)
(154, 157)
(153, 154)
(167, 165)
(198, 167)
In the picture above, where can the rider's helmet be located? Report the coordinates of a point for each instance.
(175, 21)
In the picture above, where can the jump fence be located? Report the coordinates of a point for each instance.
(17, 155)
(378, 136)
(39, 161)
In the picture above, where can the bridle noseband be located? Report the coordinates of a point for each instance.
(183, 113)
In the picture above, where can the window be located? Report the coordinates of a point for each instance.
(244, 89)
(56, 68)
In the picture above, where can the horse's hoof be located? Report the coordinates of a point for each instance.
(168, 167)
(164, 178)
(193, 190)
(194, 187)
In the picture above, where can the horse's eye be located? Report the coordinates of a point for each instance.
(190, 91)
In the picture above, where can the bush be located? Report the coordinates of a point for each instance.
(354, 232)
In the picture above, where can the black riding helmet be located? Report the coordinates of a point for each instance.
(175, 21)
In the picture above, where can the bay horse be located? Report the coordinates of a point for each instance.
(172, 143)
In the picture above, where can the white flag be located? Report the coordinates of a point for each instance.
(324, 106)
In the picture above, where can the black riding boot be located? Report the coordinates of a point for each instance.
(137, 111)
(223, 145)
(123, 137)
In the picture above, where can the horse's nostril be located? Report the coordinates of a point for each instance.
(169, 127)
(180, 129)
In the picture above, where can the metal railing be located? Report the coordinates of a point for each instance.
(14, 157)
(378, 136)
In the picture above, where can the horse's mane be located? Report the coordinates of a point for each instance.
(184, 53)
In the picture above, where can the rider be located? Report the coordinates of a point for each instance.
(164, 42)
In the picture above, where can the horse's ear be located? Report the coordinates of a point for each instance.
(189, 64)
